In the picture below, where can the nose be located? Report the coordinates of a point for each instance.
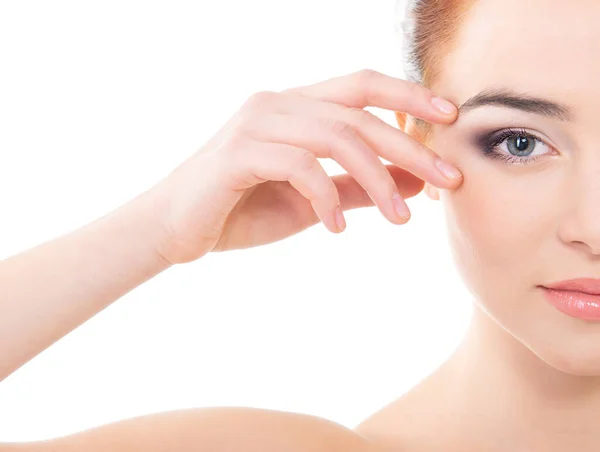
(581, 226)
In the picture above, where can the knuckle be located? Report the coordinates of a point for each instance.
(258, 100)
(236, 144)
(366, 76)
(303, 161)
(237, 137)
(342, 128)
(412, 87)
(416, 91)
(364, 116)
(423, 154)
(245, 123)
(293, 91)
(366, 79)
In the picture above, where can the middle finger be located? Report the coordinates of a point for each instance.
(386, 141)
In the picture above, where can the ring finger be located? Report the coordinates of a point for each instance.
(331, 138)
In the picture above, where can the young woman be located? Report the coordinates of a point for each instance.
(523, 215)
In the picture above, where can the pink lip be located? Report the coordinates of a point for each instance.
(579, 298)
(588, 285)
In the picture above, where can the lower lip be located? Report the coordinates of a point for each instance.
(580, 305)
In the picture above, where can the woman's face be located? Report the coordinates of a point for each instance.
(516, 225)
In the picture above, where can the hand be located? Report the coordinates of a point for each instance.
(258, 179)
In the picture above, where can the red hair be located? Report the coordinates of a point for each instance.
(429, 32)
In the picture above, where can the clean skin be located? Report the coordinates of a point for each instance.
(526, 376)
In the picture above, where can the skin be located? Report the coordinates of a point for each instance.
(258, 180)
(526, 377)
(261, 167)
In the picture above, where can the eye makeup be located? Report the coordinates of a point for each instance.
(489, 143)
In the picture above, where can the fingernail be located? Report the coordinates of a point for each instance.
(400, 206)
(447, 170)
(339, 219)
(443, 105)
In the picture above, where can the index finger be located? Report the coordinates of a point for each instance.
(371, 88)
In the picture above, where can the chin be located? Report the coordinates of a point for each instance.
(569, 344)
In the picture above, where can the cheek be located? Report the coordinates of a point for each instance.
(497, 220)
(495, 226)
(504, 224)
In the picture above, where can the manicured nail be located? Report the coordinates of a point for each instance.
(447, 170)
(443, 105)
(400, 206)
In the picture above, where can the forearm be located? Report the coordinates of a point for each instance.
(47, 291)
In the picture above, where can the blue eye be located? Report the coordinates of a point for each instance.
(520, 144)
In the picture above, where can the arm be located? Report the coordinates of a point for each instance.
(214, 429)
(47, 291)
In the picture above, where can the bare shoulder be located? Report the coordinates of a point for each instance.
(227, 429)
(403, 424)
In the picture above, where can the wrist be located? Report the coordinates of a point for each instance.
(143, 215)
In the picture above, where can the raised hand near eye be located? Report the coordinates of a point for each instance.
(259, 180)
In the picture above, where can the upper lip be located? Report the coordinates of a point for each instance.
(587, 285)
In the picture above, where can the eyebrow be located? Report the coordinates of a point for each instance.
(506, 97)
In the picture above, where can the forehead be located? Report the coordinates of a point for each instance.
(549, 48)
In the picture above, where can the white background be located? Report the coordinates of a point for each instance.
(100, 100)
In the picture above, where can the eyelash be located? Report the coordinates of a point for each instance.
(492, 142)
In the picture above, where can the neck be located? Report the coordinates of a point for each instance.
(504, 397)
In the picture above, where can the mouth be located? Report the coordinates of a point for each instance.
(578, 298)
